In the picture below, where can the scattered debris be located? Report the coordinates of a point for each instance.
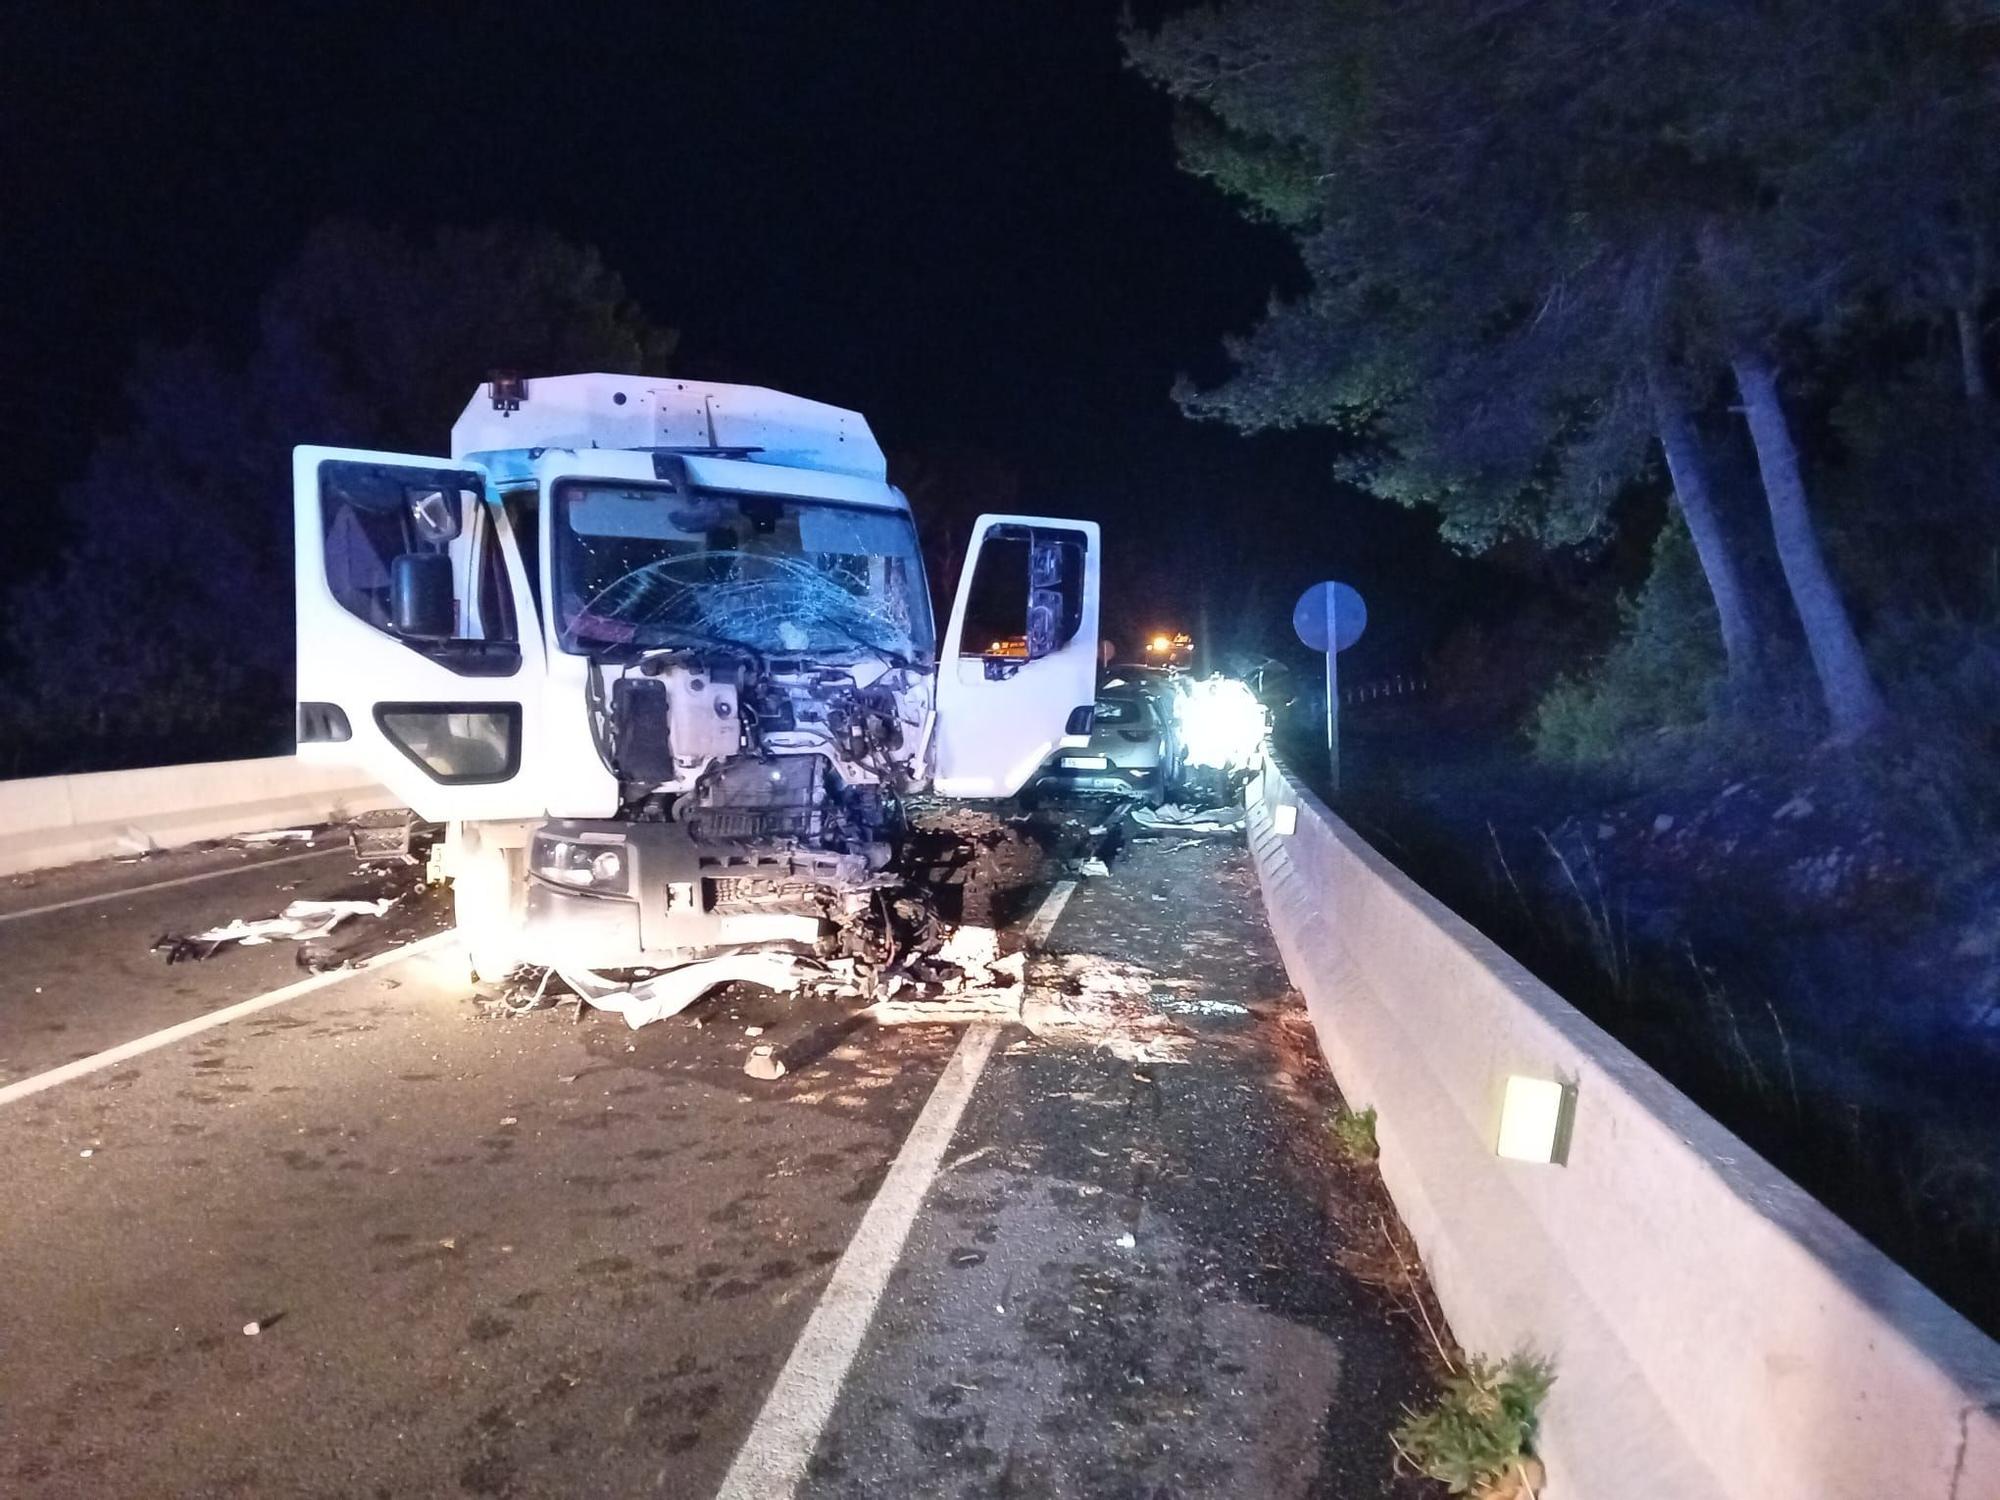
(137, 843)
(753, 1031)
(661, 995)
(1110, 1004)
(301, 921)
(765, 1063)
(1093, 866)
(1202, 1007)
(252, 1329)
(275, 836)
(396, 836)
(971, 948)
(1125, 1241)
(1174, 818)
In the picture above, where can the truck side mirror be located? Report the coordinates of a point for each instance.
(421, 606)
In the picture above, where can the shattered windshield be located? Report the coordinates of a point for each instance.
(649, 565)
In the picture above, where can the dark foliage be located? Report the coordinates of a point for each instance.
(164, 630)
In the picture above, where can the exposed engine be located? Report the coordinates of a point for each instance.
(786, 776)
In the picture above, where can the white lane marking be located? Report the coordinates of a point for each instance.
(773, 1457)
(1038, 930)
(198, 1024)
(161, 885)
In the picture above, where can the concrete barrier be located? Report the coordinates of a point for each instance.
(58, 820)
(1715, 1331)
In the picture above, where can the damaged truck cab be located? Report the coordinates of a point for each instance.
(660, 656)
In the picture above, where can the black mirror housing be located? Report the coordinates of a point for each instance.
(421, 605)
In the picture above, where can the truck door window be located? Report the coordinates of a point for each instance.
(374, 514)
(1027, 593)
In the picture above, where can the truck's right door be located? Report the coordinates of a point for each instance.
(1017, 673)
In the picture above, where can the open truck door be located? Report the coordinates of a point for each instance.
(1017, 675)
(420, 659)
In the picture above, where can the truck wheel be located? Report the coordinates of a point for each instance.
(488, 903)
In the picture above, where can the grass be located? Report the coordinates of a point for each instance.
(1479, 1434)
(1353, 1131)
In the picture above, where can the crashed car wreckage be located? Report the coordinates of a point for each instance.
(660, 657)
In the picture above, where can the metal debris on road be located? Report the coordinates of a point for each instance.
(301, 921)
(275, 836)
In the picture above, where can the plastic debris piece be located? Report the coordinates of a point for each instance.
(1125, 1241)
(276, 836)
(252, 1329)
(971, 947)
(301, 921)
(86, 1151)
(669, 994)
(765, 1063)
(753, 1031)
(1095, 867)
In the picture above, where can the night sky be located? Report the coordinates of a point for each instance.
(962, 219)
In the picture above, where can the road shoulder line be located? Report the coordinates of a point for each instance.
(195, 1025)
(773, 1458)
(1051, 909)
(772, 1461)
(162, 885)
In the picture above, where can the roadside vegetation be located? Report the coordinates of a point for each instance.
(182, 520)
(1478, 1437)
(1684, 314)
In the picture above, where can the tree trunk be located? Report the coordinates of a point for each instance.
(1688, 467)
(1971, 361)
(1852, 700)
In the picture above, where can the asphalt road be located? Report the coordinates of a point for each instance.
(545, 1255)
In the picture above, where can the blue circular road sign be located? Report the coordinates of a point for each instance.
(1329, 612)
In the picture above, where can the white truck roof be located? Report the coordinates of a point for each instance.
(634, 411)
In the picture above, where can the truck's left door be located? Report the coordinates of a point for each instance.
(419, 657)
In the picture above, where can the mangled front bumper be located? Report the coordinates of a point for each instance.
(682, 900)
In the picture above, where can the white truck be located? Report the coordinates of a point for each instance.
(660, 656)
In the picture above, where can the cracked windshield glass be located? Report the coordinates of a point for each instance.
(641, 566)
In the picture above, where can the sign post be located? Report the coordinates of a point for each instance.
(1329, 618)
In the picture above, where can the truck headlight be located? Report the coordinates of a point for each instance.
(595, 865)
